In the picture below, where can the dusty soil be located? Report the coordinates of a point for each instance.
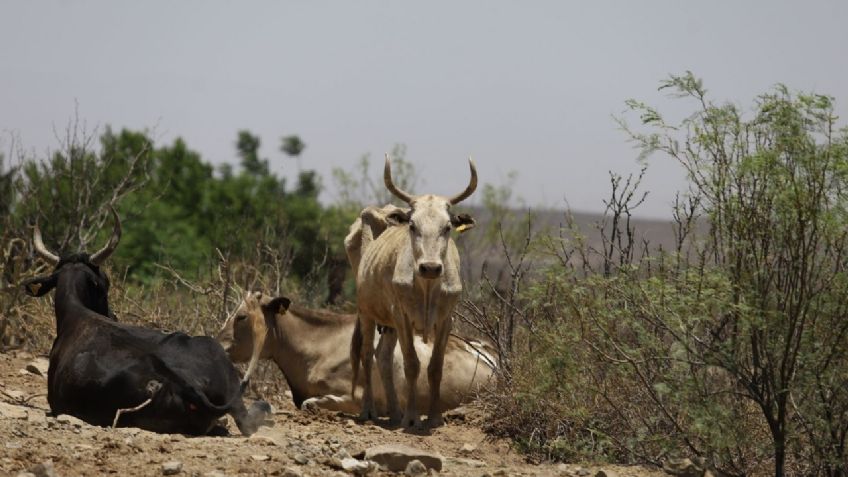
(298, 443)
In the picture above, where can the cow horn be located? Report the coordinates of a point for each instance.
(387, 178)
(101, 255)
(51, 257)
(472, 185)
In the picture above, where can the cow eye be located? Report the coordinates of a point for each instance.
(241, 317)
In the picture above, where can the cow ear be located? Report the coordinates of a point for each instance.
(278, 305)
(398, 217)
(462, 222)
(39, 286)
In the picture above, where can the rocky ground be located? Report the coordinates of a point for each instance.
(297, 444)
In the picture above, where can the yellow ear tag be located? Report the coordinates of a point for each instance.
(463, 228)
(34, 287)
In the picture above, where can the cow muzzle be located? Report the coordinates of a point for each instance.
(430, 270)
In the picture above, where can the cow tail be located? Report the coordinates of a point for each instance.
(355, 354)
(190, 390)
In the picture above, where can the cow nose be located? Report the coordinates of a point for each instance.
(430, 269)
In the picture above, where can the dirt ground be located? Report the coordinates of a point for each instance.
(297, 444)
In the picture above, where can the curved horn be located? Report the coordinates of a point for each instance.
(387, 178)
(472, 185)
(101, 255)
(51, 257)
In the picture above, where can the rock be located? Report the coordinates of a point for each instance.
(260, 457)
(15, 394)
(214, 473)
(25, 474)
(36, 416)
(44, 469)
(415, 469)
(301, 459)
(466, 462)
(355, 466)
(173, 467)
(38, 367)
(10, 411)
(604, 473)
(582, 472)
(70, 420)
(467, 448)
(292, 472)
(396, 457)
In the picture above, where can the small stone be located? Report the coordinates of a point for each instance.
(291, 472)
(582, 472)
(44, 469)
(501, 472)
(301, 459)
(214, 473)
(415, 469)
(25, 474)
(10, 411)
(355, 466)
(70, 420)
(14, 394)
(395, 457)
(173, 467)
(467, 462)
(604, 473)
(260, 457)
(467, 448)
(38, 367)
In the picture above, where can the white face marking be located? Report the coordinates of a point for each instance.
(429, 230)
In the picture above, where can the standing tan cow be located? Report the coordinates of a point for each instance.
(408, 280)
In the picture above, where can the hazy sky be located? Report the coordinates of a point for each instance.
(529, 87)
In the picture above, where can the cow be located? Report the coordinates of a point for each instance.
(408, 280)
(113, 374)
(310, 348)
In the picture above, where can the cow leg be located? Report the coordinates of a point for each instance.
(434, 371)
(369, 410)
(344, 403)
(411, 368)
(385, 360)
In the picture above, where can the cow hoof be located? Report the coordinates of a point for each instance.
(310, 405)
(368, 415)
(395, 418)
(411, 422)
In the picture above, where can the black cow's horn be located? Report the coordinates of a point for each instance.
(387, 178)
(51, 257)
(472, 185)
(101, 255)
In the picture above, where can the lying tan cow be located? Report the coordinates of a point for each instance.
(311, 348)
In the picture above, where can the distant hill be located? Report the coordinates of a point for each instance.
(481, 245)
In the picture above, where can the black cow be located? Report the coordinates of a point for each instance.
(99, 366)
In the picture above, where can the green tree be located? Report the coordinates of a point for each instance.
(293, 146)
(774, 190)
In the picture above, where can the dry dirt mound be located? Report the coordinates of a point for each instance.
(298, 444)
